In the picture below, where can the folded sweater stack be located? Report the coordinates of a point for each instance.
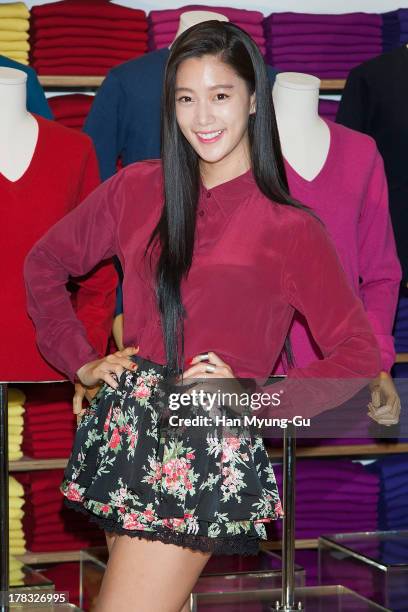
(71, 110)
(163, 24)
(86, 37)
(15, 405)
(326, 46)
(49, 423)
(17, 542)
(14, 26)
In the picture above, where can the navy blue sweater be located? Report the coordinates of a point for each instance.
(36, 100)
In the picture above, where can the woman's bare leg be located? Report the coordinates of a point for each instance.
(110, 540)
(158, 576)
(186, 607)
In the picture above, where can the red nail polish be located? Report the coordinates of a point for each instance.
(189, 360)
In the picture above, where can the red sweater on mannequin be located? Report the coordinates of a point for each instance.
(62, 172)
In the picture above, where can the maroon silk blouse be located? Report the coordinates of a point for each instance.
(254, 263)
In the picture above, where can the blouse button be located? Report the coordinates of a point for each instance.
(208, 194)
(201, 213)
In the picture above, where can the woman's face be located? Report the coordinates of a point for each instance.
(212, 109)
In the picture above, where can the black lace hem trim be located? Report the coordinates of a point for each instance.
(240, 544)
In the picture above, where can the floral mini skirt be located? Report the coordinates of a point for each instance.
(132, 474)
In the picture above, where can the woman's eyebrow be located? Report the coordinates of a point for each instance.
(220, 86)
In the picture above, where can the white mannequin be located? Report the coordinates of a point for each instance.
(190, 18)
(18, 129)
(304, 136)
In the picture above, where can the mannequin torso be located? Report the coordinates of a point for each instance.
(18, 128)
(304, 136)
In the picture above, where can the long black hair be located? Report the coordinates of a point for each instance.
(176, 227)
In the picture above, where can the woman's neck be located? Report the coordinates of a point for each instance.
(213, 174)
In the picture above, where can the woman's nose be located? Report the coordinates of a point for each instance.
(204, 114)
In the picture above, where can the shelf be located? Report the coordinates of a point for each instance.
(401, 358)
(332, 84)
(96, 81)
(48, 557)
(355, 450)
(70, 81)
(299, 544)
(349, 450)
(26, 463)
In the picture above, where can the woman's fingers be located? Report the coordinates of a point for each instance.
(200, 363)
(78, 398)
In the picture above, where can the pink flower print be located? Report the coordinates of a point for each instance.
(131, 521)
(73, 492)
(190, 456)
(115, 439)
(187, 515)
(149, 515)
(244, 456)
(142, 392)
(278, 509)
(107, 421)
(105, 509)
(133, 440)
(233, 443)
(116, 414)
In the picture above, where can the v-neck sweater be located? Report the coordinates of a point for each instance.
(349, 194)
(62, 172)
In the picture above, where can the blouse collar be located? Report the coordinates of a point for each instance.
(226, 195)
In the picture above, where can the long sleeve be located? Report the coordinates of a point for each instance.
(103, 125)
(353, 111)
(36, 100)
(315, 284)
(96, 295)
(379, 267)
(72, 247)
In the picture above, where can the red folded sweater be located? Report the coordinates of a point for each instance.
(71, 52)
(106, 42)
(72, 105)
(89, 22)
(84, 8)
(41, 35)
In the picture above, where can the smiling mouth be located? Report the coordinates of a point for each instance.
(209, 136)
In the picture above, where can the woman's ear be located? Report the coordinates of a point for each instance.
(252, 107)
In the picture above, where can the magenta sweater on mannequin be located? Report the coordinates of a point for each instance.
(350, 196)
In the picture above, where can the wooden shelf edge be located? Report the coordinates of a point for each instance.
(70, 81)
(332, 84)
(401, 358)
(346, 450)
(299, 544)
(29, 558)
(27, 463)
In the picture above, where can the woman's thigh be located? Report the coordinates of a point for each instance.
(110, 540)
(148, 576)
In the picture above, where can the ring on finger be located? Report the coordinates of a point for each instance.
(210, 368)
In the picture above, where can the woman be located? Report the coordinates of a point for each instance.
(216, 258)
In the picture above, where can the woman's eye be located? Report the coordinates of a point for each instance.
(184, 99)
(222, 96)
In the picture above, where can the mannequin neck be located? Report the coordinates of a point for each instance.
(190, 18)
(13, 111)
(296, 105)
(304, 136)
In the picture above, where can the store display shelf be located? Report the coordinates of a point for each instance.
(299, 544)
(58, 556)
(27, 463)
(70, 81)
(348, 450)
(95, 81)
(401, 358)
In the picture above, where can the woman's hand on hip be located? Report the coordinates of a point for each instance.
(103, 370)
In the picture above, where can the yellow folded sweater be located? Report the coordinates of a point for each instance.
(15, 438)
(15, 419)
(14, 25)
(15, 397)
(16, 489)
(16, 502)
(15, 455)
(13, 36)
(14, 9)
(13, 45)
